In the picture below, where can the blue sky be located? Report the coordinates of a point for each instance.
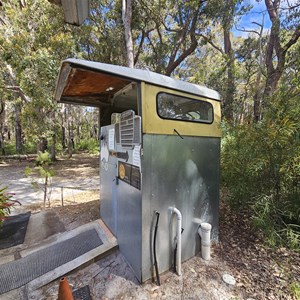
(257, 14)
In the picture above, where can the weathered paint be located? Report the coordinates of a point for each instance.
(153, 124)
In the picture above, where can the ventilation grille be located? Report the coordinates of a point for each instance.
(128, 130)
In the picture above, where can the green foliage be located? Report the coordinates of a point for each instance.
(6, 203)
(34, 40)
(261, 169)
(89, 144)
(43, 159)
(43, 170)
(295, 289)
(10, 148)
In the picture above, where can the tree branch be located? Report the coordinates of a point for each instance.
(139, 50)
(272, 7)
(293, 40)
(19, 91)
(175, 63)
(246, 30)
(1, 107)
(15, 87)
(209, 40)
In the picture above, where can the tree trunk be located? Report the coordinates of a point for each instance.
(258, 89)
(229, 93)
(18, 129)
(63, 137)
(276, 51)
(19, 95)
(272, 82)
(42, 145)
(257, 98)
(189, 30)
(45, 190)
(70, 149)
(2, 127)
(63, 127)
(53, 147)
(2, 145)
(230, 80)
(70, 140)
(127, 18)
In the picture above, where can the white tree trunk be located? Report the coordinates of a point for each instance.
(126, 17)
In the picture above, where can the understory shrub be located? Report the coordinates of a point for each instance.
(10, 148)
(6, 203)
(261, 170)
(45, 171)
(295, 289)
(91, 145)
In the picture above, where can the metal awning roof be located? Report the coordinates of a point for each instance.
(93, 83)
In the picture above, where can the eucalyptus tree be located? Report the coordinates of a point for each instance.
(284, 34)
(224, 15)
(2, 125)
(101, 37)
(10, 81)
(262, 54)
(34, 40)
(272, 49)
(167, 34)
(127, 19)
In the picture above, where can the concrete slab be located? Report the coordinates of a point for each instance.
(7, 258)
(42, 225)
(109, 242)
(20, 294)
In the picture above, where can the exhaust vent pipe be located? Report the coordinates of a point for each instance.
(205, 232)
(174, 210)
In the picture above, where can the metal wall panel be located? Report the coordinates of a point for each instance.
(129, 231)
(183, 173)
(108, 173)
(121, 199)
(180, 172)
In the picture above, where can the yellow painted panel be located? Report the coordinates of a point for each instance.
(152, 123)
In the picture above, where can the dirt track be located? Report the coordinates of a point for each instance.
(72, 177)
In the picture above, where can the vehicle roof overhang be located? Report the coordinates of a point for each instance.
(94, 84)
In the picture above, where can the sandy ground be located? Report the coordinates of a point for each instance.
(71, 176)
(260, 273)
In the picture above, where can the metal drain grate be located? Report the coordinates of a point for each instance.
(18, 273)
(82, 293)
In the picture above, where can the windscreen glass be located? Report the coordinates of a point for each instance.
(176, 107)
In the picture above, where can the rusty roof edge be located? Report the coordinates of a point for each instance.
(133, 74)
